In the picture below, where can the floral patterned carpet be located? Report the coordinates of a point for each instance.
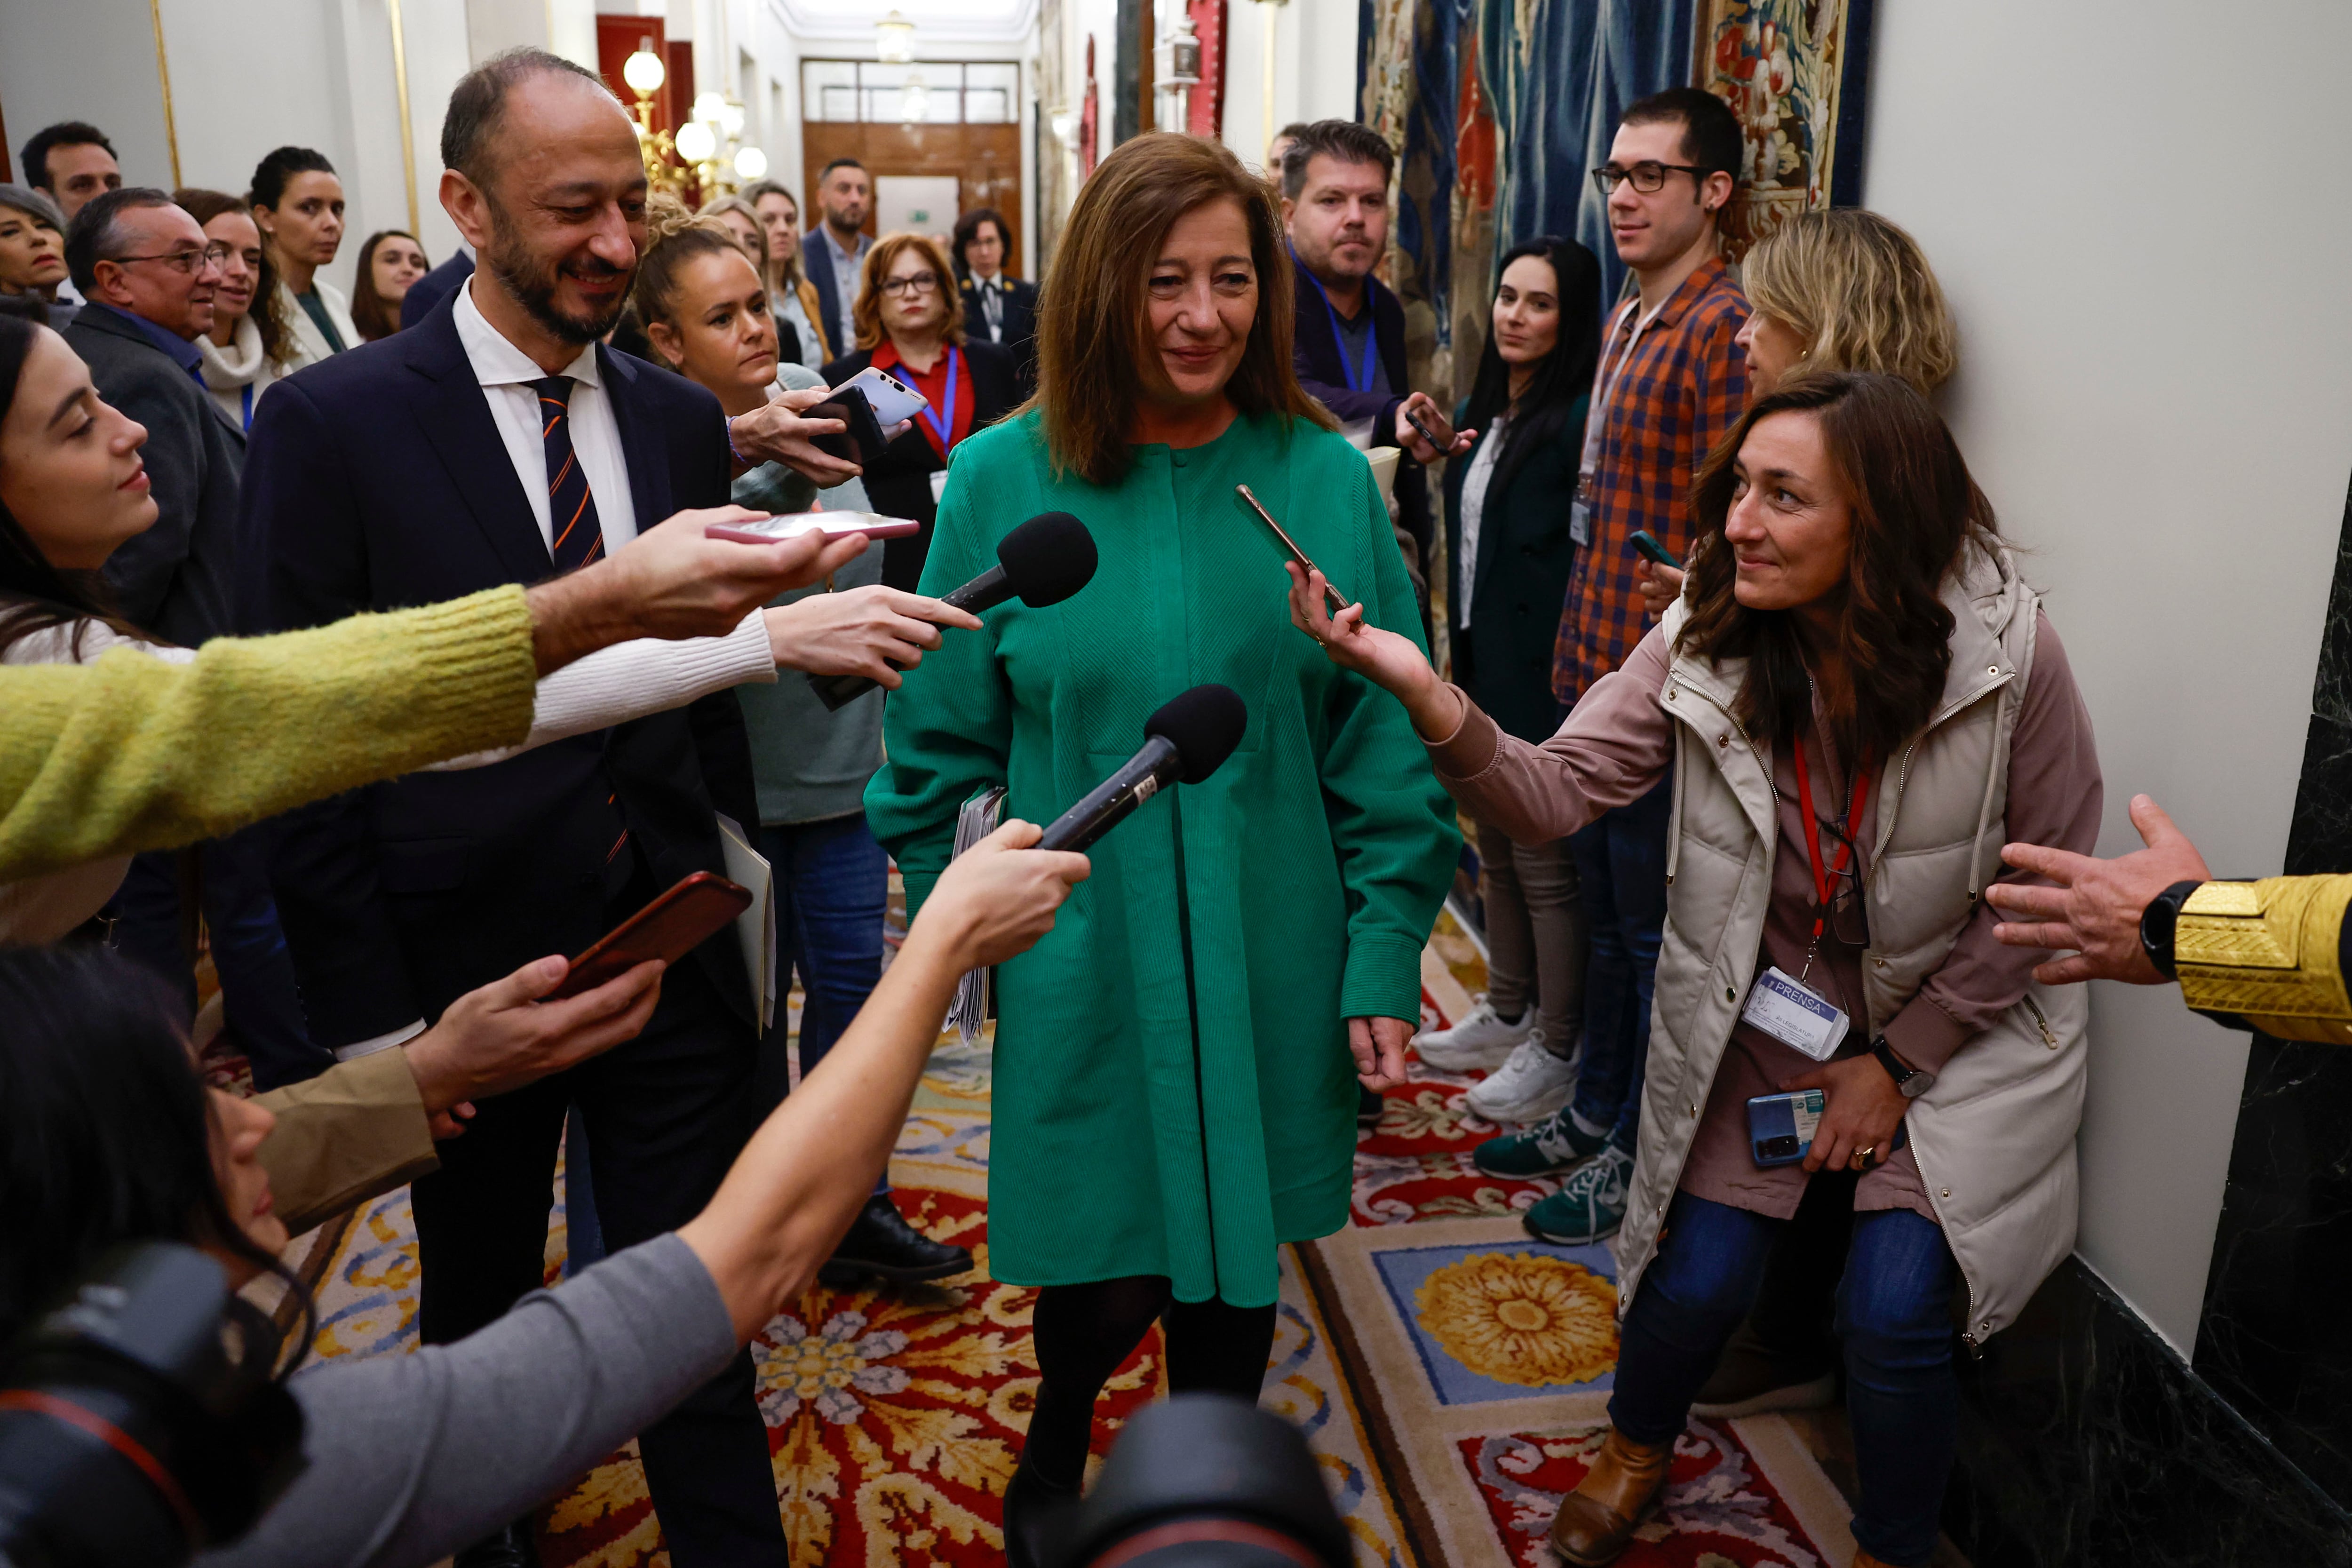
(1450, 1372)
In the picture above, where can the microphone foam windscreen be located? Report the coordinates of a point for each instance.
(1047, 558)
(1204, 725)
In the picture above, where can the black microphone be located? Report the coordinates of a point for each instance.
(1190, 738)
(1043, 562)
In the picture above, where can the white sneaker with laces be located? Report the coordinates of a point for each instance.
(1481, 1041)
(1529, 1087)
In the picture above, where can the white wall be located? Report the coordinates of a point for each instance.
(2156, 395)
(1314, 69)
(92, 61)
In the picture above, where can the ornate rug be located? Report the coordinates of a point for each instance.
(1450, 1372)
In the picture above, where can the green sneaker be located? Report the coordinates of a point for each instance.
(1589, 1206)
(1553, 1145)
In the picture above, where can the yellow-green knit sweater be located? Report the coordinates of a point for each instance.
(133, 754)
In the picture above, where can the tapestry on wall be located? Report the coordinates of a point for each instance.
(1793, 72)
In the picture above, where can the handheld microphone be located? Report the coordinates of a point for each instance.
(1043, 562)
(1189, 739)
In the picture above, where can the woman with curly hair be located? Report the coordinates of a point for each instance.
(1858, 701)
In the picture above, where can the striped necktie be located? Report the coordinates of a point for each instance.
(578, 537)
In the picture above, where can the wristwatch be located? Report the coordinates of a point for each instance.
(2157, 922)
(1909, 1082)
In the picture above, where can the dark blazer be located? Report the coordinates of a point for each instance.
(433, 288)
(816, 266)
(377, 480)
(177, 579)
(1519, 581)
(1020, 326)
(1315, 356)
(900, 484)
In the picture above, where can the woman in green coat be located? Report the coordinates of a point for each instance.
(1175, 1089)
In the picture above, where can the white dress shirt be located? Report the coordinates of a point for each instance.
(506, 374)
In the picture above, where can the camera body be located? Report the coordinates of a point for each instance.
(1205, 1480)
(139, 1420)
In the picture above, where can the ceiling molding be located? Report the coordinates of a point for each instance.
(936, 22)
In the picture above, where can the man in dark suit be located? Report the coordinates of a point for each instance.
(835, 251)
(998, 309)
(434, 287)
(499, 441)
(148, 275)
(1349, 343)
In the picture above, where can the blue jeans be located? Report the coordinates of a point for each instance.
(833, 891)
(1621, 867)
(262, 1005)
(1893, 1316)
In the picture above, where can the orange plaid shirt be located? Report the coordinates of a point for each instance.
(1679, 392)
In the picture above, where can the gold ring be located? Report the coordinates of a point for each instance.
(1862, 1155)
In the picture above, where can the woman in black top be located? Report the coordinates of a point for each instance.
(1507, 500)
(909, 322)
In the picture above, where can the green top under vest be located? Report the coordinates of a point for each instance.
(1173, 1091)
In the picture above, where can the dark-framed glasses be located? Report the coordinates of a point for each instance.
(216, 254)
(1648, 178)
(913, 284)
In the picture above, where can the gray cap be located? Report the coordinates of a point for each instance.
(26, 199)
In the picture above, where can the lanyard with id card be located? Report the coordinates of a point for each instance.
(1579, 509)
(1779, 1003)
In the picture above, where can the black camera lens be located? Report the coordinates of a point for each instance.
(1778, 1148)
(1207, 1480)
(138, 1419)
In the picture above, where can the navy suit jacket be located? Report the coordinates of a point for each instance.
(433, 288)
(374, 480)
(1315, 356)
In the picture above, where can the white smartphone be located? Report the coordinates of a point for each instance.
(891, 399)
(832, 524)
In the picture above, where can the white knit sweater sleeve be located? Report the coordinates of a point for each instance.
(631, 679)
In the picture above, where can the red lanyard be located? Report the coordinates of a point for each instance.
(1814, 834)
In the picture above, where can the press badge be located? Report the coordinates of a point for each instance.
(1783, 1007)
(1579, 512)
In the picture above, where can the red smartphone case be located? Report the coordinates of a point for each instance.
(669, 928)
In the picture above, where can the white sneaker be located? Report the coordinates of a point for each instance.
(1481, 1041)
(1529, 1087)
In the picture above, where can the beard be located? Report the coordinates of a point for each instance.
(534, 280)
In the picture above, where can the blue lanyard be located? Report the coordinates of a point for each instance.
(249, 405)
(945, 423)
(1356, 383)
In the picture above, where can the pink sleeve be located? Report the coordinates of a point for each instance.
(2055, 796)
(1618, 741)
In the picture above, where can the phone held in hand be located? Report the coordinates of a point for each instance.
(669, 928)
(1781, 1127)
(832, 524)
(890, 398)
(863, 442)
(1646, 543)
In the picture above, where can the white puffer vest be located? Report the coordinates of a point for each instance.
(1995, 1135)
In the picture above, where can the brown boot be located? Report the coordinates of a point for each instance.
(1596, 1520)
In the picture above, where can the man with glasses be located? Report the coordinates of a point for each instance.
(1671, 383)
(148, 273)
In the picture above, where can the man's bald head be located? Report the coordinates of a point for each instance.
(470, 131)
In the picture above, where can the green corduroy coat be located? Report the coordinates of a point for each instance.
(1173, 1089)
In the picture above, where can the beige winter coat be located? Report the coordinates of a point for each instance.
(1995, 1136)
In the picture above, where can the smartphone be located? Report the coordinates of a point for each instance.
(673, 925)
(863, 442)
(890, 398)
(1647, 543)
(1780, 1126)
(832, 524)
(1427, 435)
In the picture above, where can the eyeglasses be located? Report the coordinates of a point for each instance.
(1648, 178)
(213, 255)
(918, 283)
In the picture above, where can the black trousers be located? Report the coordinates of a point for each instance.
(665, 1117)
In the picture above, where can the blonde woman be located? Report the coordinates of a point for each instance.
(909, 321)
(794, 296)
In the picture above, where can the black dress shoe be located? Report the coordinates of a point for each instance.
(512, 1547)
(881, 1241)
(1033, 1507)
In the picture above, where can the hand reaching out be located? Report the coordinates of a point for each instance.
(874, 631)
(2095, 907)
